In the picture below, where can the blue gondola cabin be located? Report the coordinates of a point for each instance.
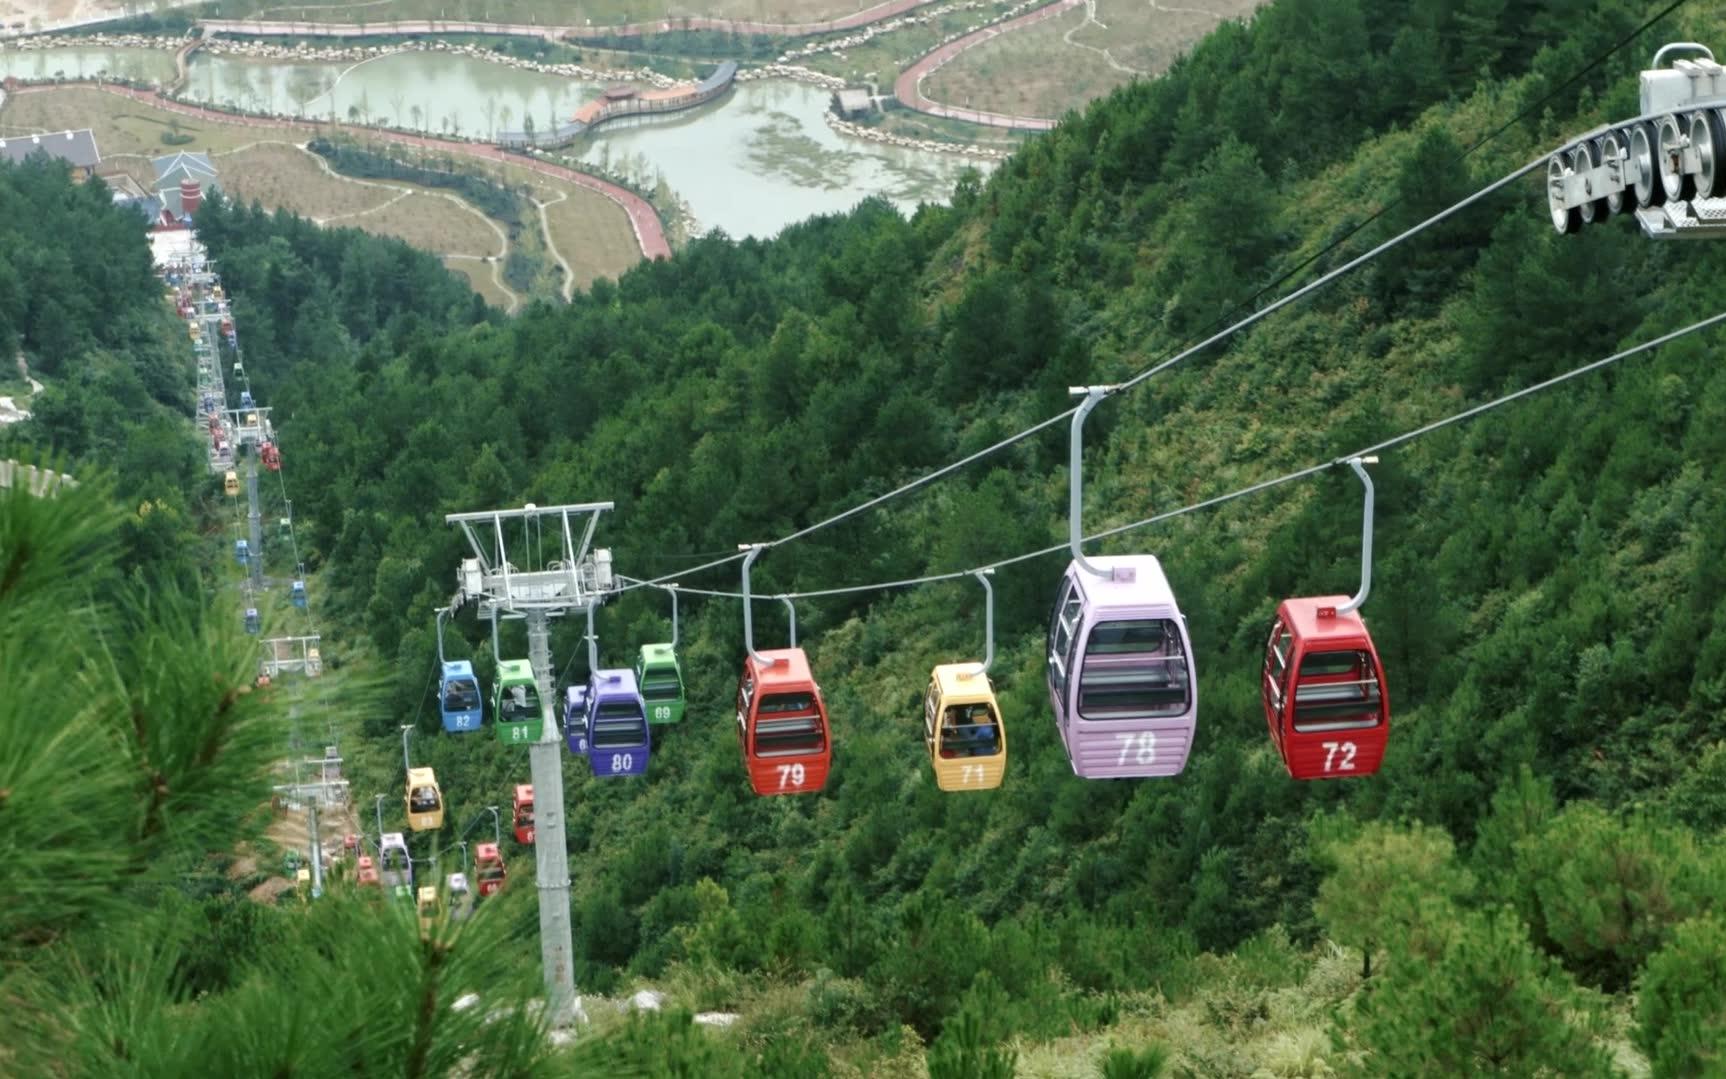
(459, 701)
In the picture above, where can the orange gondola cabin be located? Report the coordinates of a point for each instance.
(1323, 690)
(782, 723)
(522, 818)
(489, 868)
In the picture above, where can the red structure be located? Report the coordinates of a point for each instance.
(191, 197)
(782, 724)
(1323, 690)
(523, 820)
(488, 867)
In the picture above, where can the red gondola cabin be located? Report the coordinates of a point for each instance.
(523, 817)
(1323, 690)
(489, 868)
(782, 724)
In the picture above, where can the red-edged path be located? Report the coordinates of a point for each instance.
(258, 28)
(908, 88)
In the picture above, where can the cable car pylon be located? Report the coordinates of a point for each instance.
(569, 581)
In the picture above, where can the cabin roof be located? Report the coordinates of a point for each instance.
(1148, 587)
(484, 850)
(959, 681)
(421, 777)
(613, 682)
(524, 792)
(1301, 616)
(658, 653)
(514, 668)
(794, 670)
(457, 666)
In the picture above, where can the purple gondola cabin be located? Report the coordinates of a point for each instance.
(610, 718)
(1121, 675)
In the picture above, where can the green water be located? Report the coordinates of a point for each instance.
(36, 65)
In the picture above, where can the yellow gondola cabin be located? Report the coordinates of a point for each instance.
(425, 801)
(962, 729)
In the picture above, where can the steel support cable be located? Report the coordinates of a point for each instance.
(1466, 154)
(1147, 373)
(1251, 489)
(1332, 275)
(1249, 320)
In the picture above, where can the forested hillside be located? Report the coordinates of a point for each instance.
(81, 312)
(1532, 883)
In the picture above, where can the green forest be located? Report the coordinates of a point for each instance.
(1532, 885)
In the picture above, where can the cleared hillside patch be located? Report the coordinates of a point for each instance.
(433, 222)
(1048, 68)
(263, 161)
(596, 241)
(287, 177)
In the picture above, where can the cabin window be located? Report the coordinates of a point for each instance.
(520, 704)
(787, 702)
(1133, 669)
(929, 708)
(616, 725)
(785, 734)
(660, 685)
(783, 737)
(1338, 691)
(745, 694)
(1061, 634)
(424, 800)
(460, 696)
(970, 730)
(1277, 652)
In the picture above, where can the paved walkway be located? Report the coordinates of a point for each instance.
(262, 28)
(908, 88)
(649, 230)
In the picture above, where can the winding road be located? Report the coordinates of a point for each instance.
(279, 28)
(908, 88)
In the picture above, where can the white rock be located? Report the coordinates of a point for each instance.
(716, 1019)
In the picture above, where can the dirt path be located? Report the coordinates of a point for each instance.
(1092, 20)
(909, 86)
(497, 261)
(262, 28)
(545, 226)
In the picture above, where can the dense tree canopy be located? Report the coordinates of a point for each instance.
(1544, 839)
